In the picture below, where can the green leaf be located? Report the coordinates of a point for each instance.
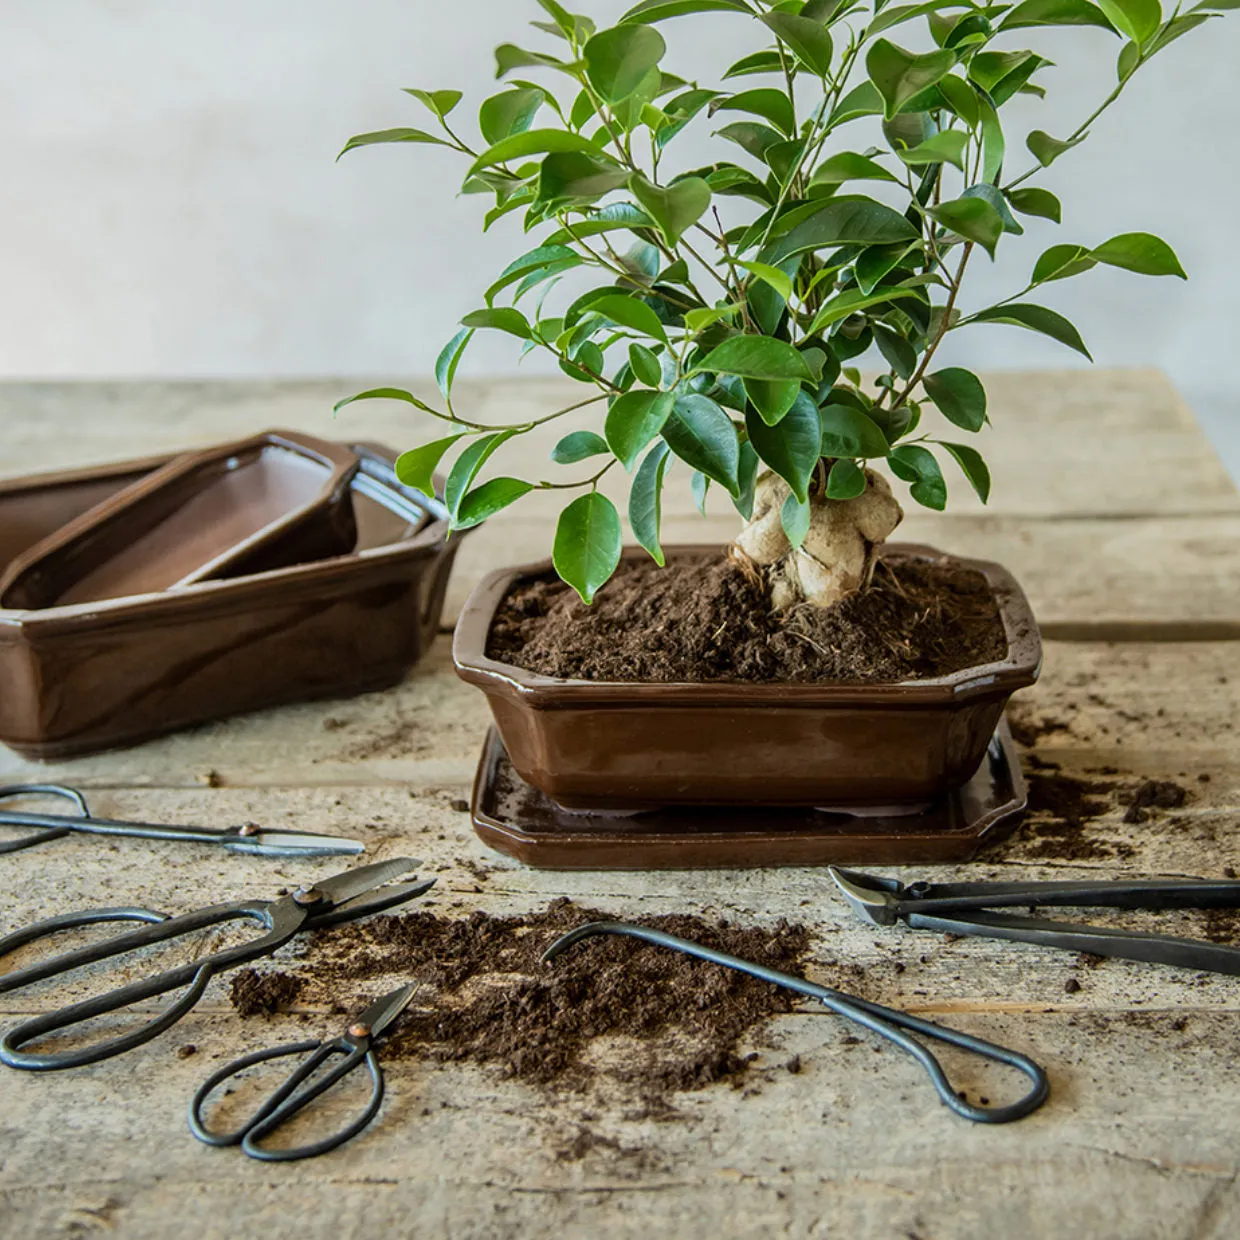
(502, 318)
(992, 194)
(899, 75)
(629, 312)
(809, 40)
(611, 218)
(440, 102)
(877, 261)
(756, 357)
(959, 395)
(587, 544)
(846, 480)
(862, 100)
(779, 280)
(385, 393)
(617, 60)
(1140, 252)
(675, 208)
(509, 57)
(772, 398)
(973, 219)
(646, 500)
(850, 302)
(416, 468)
(748, 474)
(578, 446)
(970, 461)
(509, 112)
(703, 436)
(795, 516)
(534, 142)
(645, 365)
(757, 62)
(699, 320)
(947, 146)
(850, 219)
(633, 420)
(793, 447)
(661, 10)
(699, 484)
(449, 359)
(771, 105)
(1055, 13)
(1046, 149)
(485, 501)
(849, 166)
(384, 136)
(1036, 319)
(1034, 201)
(1138, 19)
(961, 98)
(533, 260)
(900, 354)
(578, 177)
(847, 432)
(754, 139)
(917, 465)
(465, 470)
(1060, 262)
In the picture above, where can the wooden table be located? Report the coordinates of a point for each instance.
(1113, 511)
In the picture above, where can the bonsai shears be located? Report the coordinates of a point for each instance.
(342, 898)
(249, 838)
(355, 1046)
(896, 1027)
(968, 908)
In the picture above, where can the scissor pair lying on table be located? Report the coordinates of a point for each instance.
(968, 909)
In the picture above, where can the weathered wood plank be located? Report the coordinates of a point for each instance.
(1048, 429)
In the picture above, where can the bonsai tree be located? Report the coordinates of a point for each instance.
(732, 303)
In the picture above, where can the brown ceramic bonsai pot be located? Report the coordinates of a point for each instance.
(594, 745)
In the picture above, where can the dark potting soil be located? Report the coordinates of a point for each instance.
(708, 620)
(487, 997)
(263, 994)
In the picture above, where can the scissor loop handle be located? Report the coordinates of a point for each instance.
(45, 835)
(290, 1099)
(194, 976)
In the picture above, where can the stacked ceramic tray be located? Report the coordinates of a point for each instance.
(148, 595)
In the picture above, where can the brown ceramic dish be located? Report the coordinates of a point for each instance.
(522, 822)
(615, 745)
(234, 509)
(91, 676)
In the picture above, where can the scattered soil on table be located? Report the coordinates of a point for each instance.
(707, 620)
(1159, 793)
(639, 1013)
(1223, 925)
(263, 994)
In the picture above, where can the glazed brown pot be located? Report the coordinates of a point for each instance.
(636, 745)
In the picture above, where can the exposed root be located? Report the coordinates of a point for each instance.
(837, 557)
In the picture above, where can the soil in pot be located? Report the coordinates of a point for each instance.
(706, 619)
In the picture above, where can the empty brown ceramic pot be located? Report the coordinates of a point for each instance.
(628, 746)
(85, 677)
(239, 508)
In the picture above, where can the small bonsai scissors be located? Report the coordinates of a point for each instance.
(342, 898)
(258, 841)
(965, 908)
(356, 1045)
(884, 1021)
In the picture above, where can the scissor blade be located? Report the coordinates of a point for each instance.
(380, 1014)
(277, 843)
(353, 883)
(374, 902)
(870, 903)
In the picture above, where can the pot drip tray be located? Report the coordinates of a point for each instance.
(514, 818)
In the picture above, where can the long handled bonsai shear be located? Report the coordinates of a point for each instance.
(341, 898)
(969, 909)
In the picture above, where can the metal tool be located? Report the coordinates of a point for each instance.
(886, 1022)
(356, 1045)
(342, 898)
(258, 841)
(964, 908)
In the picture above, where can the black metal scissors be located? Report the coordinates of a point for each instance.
(249, 838)
(886, 1022)
(356, 1045)
(964, 908)
(344, 897)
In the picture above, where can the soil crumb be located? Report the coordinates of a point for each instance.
(638, 1013)
(707, 620)
(263, 994)
(1159, 793)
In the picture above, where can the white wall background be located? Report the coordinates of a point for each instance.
(169, 205)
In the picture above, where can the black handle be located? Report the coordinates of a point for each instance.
(290, 1099)
(49, 829)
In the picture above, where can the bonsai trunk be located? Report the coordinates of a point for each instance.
(835, 560)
